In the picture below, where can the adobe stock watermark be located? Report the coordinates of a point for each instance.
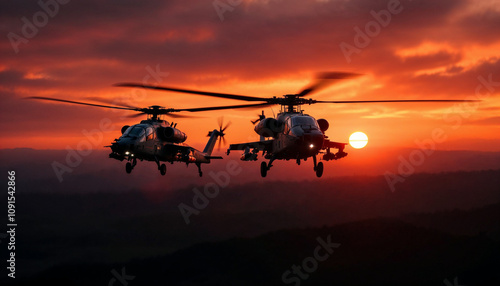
(455, 282)
(362, 39)
(40, 19)
(94, 138)
(123, 278)
(310, 264)
(223, 6)
(426, 147)
(211, 190)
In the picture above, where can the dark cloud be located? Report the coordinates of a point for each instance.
(435, 60)
(479, 27)
(253, 41)
(12, 79)
(460, 84)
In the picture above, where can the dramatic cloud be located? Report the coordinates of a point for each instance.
(406, 49)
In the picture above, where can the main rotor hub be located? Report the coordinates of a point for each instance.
(156, 107)
(154, 112)
(292, 103)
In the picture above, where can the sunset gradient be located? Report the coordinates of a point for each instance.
(428, 50)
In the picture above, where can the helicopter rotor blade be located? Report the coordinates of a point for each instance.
(205, 93)
(173, 115)
(258, 105)
(221, 138)
(143, 111)
(324, 79)
(227, 125)
(112, 102)
(81, 103)
(220, 122)
(135, 115)
(394, 101)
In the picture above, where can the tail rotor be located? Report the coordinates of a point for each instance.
(221, 133)
(261, 117)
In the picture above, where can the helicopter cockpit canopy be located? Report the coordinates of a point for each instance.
(136, 131)
(306, 122)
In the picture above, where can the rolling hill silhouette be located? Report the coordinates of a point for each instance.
(371, 252)
(434, 227)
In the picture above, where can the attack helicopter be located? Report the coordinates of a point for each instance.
(292, 135)
(155, 139)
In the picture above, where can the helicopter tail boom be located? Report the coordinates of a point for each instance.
(211, 142)
(214, 157)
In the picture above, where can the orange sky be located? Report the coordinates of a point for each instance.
(428, 50)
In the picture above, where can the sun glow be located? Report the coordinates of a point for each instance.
(358, 140)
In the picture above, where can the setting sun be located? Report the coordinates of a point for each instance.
(358, 140)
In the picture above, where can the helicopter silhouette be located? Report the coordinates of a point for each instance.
(157, 140)
(293, 135)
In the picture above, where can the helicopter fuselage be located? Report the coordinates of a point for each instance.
(143, 141)
(299, 138)
(295, 135)
(159, 141)
(292, 135)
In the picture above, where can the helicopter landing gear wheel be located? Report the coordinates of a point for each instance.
(319, 170)
(163, 169)
(263, 169)
(128, 168)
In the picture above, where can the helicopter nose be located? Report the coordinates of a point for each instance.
(122, 147)
(313, 142)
